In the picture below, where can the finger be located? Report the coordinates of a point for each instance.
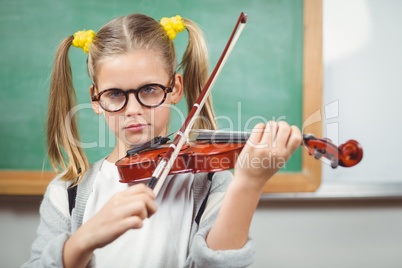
(141, 205)
(140, 188)
(256, 134)
(151, 207)
(130, 207)
(149, 203)
(270, 133)
(283, 134)
(295, 139)
(133, 222)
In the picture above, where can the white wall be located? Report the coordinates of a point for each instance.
(362, 67)
(363, 73)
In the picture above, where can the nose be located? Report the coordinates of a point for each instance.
(133, 107)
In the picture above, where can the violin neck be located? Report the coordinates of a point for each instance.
(230, 136)
(221, 136)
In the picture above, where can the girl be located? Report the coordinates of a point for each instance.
(197, 220)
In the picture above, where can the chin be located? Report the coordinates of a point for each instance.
(137, 139)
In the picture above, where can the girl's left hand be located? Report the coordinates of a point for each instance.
(266, 151)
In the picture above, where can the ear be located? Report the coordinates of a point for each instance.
(177, 92)
(95, 105)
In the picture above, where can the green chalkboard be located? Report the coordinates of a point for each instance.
(262, 80)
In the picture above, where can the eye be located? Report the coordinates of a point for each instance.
(114, 93)
(149, 89)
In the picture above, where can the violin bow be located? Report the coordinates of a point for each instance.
(162, 170)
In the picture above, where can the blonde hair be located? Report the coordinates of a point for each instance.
(121, 35)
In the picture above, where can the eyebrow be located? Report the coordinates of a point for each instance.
(137, 87)
(148, 82)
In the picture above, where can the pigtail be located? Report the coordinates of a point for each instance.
(195, 74)
(62, 132)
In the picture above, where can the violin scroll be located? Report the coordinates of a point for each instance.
(353, 153)
(348, 154)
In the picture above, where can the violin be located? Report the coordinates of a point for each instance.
(214, 151)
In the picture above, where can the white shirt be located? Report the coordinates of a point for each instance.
(163, 239)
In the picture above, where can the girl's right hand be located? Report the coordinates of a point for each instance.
(125, 210)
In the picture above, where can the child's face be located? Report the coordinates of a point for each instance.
(136, 124)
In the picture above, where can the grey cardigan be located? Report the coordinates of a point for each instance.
(55, 228)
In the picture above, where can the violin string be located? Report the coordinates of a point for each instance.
(219, 131)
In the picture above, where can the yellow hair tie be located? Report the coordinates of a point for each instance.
(173, 26)
(82, 39)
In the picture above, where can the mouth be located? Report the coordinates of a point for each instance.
(136, 127)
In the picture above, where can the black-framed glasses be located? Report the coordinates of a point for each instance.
(150, 96)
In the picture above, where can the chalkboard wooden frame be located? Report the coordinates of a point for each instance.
(308, 180)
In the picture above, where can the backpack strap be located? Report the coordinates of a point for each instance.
(72, 193)
(204, 202)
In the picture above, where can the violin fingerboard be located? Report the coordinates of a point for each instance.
(219, 136)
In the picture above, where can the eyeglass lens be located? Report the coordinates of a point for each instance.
(115, 99)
